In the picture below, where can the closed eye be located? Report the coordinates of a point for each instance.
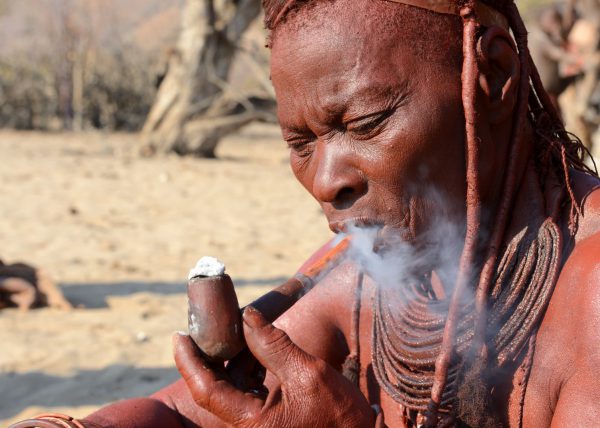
(365, 126)
(301, 146)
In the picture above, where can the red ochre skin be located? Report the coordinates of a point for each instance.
(338, 70)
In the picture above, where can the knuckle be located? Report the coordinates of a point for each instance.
(279, 344)
(277, 339)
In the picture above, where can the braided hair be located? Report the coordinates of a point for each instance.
(513, 284)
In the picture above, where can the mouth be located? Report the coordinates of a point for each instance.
(342, 226)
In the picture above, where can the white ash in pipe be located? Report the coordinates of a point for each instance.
(207, 266)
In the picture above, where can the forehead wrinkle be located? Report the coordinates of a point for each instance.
(435, 38)
(325, 94)
(362, 90)
(368, 75)
(344, 99)
(333, 101)
(359, 82)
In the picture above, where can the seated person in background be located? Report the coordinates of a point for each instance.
(26, 287)
(550, 53)
(580, 100)
(405, 116)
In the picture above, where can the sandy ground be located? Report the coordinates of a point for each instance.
(119, 233)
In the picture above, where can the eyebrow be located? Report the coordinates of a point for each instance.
(355, 104)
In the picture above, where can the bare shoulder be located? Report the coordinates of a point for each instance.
(579, 280)
(567, 358)
(574, 310)
(563, 377)
(576, 300)
(318, 322)
(577, 294)
(587, 190)
(567, 347)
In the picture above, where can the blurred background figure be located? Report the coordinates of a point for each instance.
(27, 287)
(564, 43)
(581, 103)
(549, 48)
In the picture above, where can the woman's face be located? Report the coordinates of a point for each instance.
(375, 130)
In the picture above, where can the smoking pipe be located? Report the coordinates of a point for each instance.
(214, 316)
(273, 304)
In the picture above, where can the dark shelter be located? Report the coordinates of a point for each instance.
(401, 116)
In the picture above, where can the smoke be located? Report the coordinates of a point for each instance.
(396, 261)
(392, 260)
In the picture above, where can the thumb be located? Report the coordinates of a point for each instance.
(271, 346)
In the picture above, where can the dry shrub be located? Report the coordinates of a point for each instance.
(27, 95)
(119, 92)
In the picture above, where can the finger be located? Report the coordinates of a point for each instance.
(272, 346)
(209, 389)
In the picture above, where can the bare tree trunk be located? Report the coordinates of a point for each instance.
(192, 110)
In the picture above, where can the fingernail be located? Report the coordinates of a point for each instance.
(253, 318)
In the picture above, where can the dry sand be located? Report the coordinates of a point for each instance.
(119, 233)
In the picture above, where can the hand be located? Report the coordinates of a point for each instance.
(307, 392)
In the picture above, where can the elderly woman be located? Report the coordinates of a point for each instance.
(405, 114)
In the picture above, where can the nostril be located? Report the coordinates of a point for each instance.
(344, 193)
(345, 197)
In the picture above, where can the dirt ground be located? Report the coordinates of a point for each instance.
(119, 233)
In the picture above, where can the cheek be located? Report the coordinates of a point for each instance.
(441, 175)
(300, 170)
(403, 153)
(436, 135)
(421, 151)
(447, 146)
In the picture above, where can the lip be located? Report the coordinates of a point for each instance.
(342, 225)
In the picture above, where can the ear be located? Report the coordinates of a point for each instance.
(499, 78)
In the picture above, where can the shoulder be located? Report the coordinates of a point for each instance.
(319, 321)
(568, 345)
(570, 330)
(579, 280)
(567, 356)
(573, 314)
(577, 293)
(332, 296)
(587, 191)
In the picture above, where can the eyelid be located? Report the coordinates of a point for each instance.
(302, 148)
(368, 118)
(298, 141)
(370, 122)
(296, 134)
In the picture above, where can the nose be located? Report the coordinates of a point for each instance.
(338, 179)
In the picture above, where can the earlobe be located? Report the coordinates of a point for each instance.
(499, 78)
